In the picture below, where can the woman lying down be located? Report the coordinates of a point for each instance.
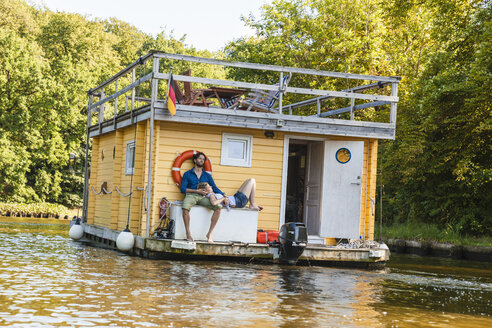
(245, 193)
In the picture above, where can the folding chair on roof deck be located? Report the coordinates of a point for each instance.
(263, 100)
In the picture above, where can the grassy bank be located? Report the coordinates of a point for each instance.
(35, 210)
(430, 232)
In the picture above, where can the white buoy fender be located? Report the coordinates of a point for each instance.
(76, 231)
(125, 240)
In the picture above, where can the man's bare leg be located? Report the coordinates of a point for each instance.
(213, 223)
(186, 221)
(249, 188)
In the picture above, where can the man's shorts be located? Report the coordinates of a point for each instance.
(197, 199)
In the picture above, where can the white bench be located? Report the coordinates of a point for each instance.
(238, 224)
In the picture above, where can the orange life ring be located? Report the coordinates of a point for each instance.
(176, 169)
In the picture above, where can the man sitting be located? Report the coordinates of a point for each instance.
(194, 196)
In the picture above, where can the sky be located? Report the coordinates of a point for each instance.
(208, 24)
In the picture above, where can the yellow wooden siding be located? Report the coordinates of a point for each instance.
(155, 194)
(170, 139)
(266, 165)
(128, 135)
(102, 171)
(368, 194)
(372, 192)
(111, 210)
(144, 149)
(138, 208)
(91, 206)
(117, 170)
(364, 192)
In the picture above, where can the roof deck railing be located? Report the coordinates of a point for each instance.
(138, 91)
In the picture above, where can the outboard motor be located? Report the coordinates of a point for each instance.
(293, 240)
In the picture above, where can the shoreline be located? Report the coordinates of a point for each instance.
(432, 248)
(16, 219)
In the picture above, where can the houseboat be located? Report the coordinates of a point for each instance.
(314, 161)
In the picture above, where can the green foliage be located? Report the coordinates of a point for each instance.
(22, 85)
(18, 17)
(438, 169)
(129, 40)
(444, 141)
(36, 209)
(49, 62)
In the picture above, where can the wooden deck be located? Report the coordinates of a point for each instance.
(240, 252)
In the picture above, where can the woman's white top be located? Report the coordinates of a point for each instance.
(232, 200)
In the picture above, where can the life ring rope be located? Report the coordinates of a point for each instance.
(178, 161)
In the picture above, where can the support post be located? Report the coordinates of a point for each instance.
(352, 104)
(281, 91)
(318, 107)
(86, 173)
(155, 81)
(115, 103)
(394, 93)
(100, 118)
(133, 91)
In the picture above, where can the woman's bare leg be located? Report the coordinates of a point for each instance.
(248, 188)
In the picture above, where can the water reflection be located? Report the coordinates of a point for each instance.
(47, 280)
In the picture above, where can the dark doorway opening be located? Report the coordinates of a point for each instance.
(295, 181)
(304, 184)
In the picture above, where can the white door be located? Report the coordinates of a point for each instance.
(342, 187)
(312, 195)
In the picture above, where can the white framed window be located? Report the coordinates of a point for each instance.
(130, 157)
(237, 150)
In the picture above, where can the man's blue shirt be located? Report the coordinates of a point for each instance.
(191, 181)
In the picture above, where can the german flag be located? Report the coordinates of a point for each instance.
(171, 96)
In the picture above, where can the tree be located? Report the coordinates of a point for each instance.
(438, 168)
(49, 62)
(447, 174)
(22, 84)
(130, 40)
(81, 55)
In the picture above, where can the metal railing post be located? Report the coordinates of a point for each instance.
(115, 103)
(394, 93)
(281, 91)
(352, 104)
(100, 118)
(86, 162)
(133, 90)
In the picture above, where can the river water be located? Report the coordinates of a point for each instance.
(47, 280)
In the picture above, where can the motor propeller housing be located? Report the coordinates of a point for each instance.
(293, 240)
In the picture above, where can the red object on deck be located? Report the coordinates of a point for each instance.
(264, 236)
(261, 237)
(272, 235)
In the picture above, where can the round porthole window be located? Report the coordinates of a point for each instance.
(343, 155)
